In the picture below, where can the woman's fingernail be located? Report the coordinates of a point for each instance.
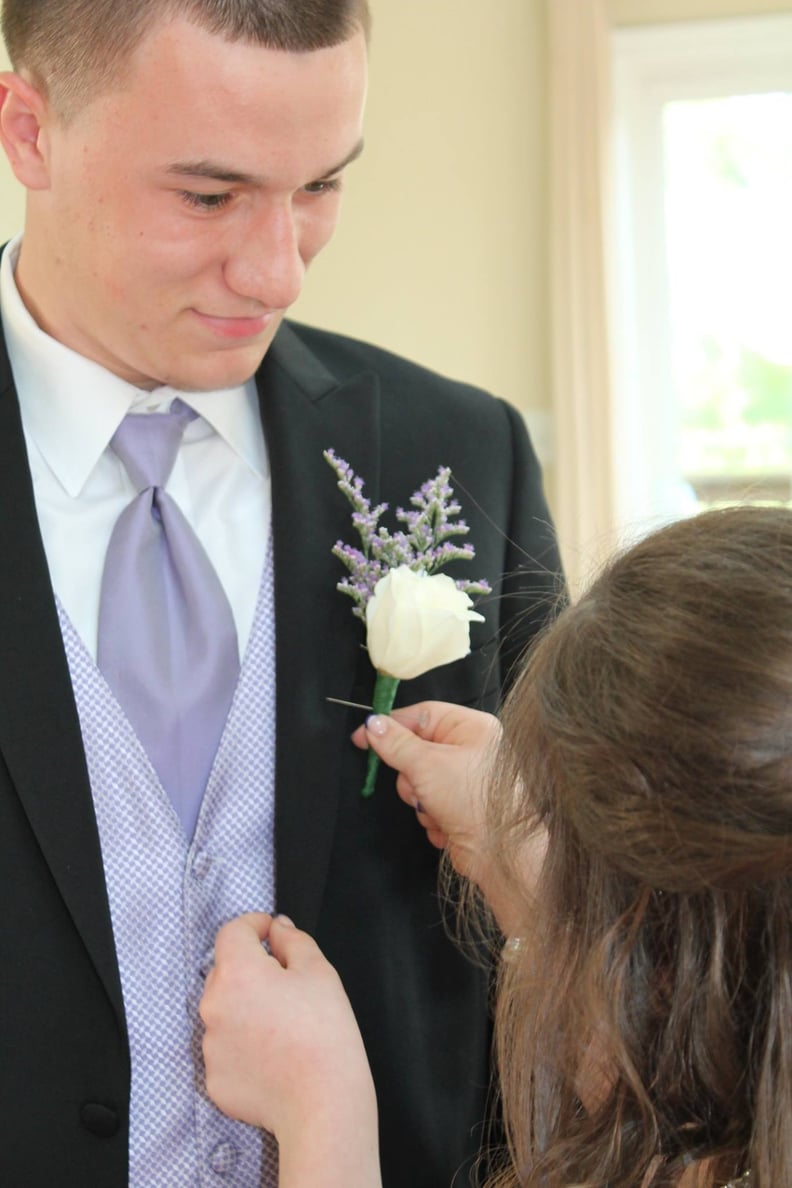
(377, 724)
(284, 920)
(418, 807)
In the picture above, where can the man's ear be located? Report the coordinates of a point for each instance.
(23, 112)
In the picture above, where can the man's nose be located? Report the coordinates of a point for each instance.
(266, 265)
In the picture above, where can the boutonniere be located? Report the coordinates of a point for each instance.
(416, 618)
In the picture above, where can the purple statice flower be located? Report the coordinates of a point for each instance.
(423, 542)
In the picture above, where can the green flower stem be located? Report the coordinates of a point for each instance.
(384, 697)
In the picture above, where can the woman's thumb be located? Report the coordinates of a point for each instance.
(397, 746)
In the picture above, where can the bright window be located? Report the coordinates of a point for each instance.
(703, 222)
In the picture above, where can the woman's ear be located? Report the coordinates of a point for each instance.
(23, 113)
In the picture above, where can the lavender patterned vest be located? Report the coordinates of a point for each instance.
(168, 897)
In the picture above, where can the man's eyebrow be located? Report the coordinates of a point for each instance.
(215, 171)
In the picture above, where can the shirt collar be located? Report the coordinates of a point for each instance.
(72, 406)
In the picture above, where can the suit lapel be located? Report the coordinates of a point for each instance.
(305, 410)
(40, 739)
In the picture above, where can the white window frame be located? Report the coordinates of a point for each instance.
(652, 66)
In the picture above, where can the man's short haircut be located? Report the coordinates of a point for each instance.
(74, 49)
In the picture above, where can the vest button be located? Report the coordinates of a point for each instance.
(202, 865)
(101, 1120)
(223, 1158)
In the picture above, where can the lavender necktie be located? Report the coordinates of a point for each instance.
(167, 641)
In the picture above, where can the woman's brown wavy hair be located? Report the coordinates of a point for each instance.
(644, 1025)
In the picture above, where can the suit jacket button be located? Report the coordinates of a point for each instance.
(101, 1120)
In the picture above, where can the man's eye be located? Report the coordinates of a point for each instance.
(206, 201)
(328, 186)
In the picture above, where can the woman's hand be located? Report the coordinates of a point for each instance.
(283, 1051)
(443, 754)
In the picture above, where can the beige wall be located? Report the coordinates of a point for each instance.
(12, 204)
(649, 12)
(442, 249)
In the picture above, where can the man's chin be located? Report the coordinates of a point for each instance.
(221, 370)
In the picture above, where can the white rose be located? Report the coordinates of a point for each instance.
(417, 621)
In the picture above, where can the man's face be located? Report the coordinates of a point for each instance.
(183, 208)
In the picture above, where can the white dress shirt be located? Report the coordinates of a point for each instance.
(71, 407)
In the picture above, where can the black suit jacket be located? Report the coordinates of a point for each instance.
(358, 874)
